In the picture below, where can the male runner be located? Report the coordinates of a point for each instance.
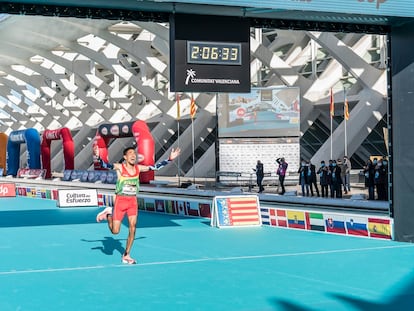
(126, 190)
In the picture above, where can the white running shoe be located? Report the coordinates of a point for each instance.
(104, 214)
(128, 260)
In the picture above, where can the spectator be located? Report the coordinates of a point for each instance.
(369, 173)
(380, 180)
(303, 178)
(336, 179)
(347, 175)
(323, 179)
(313, 179)
(259, 175)
(281, 171)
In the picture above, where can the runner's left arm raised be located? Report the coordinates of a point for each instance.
(174, 154)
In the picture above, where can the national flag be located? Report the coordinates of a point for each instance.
(243, 211)
(205, 210)
(192, 209)
(281, 218)
(264, 212)
(296, 219)
(272, 217)
(356, 225)
(141, 204)
(100, 199)
(177, 99)
(379, 228)
(331, 106)
(179, 208)
(346, 109)
(335, 223)
(314, 221)
(193, 107)
(150, 206)
(159, 206)
(54, 194)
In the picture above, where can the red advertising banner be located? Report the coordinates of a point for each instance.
(7, 190)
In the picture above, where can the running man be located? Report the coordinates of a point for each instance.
(126, 191)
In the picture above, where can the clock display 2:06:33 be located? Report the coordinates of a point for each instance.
(224, 53)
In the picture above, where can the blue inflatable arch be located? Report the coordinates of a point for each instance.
(31, 138)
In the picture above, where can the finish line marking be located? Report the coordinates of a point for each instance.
(173, 262)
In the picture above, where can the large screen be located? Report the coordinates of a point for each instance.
(264, 112)
(241, 154)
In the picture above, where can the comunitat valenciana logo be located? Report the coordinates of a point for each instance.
(190, 75)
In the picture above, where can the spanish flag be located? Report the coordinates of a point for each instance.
(346, 111)
(193, 107)
(331, 106)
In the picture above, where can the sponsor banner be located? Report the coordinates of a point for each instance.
(77, 198)
(7, 190)
(31, 173)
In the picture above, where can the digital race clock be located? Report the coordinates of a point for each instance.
(199, 52)
(209, 53)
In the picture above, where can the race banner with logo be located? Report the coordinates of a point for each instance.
(7, 190)
(77, 198)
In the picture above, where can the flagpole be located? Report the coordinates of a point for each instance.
(192, 114)
(192, 142)
(331, 115)
(345, 117)
(177, 97)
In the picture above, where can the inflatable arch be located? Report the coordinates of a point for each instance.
(139, 130)
(68, 148)
(3, 146)
(32, 139)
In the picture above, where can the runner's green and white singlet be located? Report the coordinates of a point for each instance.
(127, 184)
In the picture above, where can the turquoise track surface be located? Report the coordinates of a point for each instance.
(61, 259)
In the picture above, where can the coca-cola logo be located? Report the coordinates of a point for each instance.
(52, 135)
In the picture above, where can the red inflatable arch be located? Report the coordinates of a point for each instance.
(137, 129)
(68, 148)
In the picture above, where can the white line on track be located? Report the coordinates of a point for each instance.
(172, 262)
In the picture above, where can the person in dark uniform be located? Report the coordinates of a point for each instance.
(259, 175)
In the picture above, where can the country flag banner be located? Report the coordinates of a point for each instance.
(379, 228)
(296, 219)
(264, 211)
(205, 210)
(192, 209)
(272, 217)
(231, 211)
(159, 206)
(281, 218)
(357, 225)
(335, 223)
(315, 221)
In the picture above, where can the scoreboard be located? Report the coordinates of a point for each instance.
(209, 54)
